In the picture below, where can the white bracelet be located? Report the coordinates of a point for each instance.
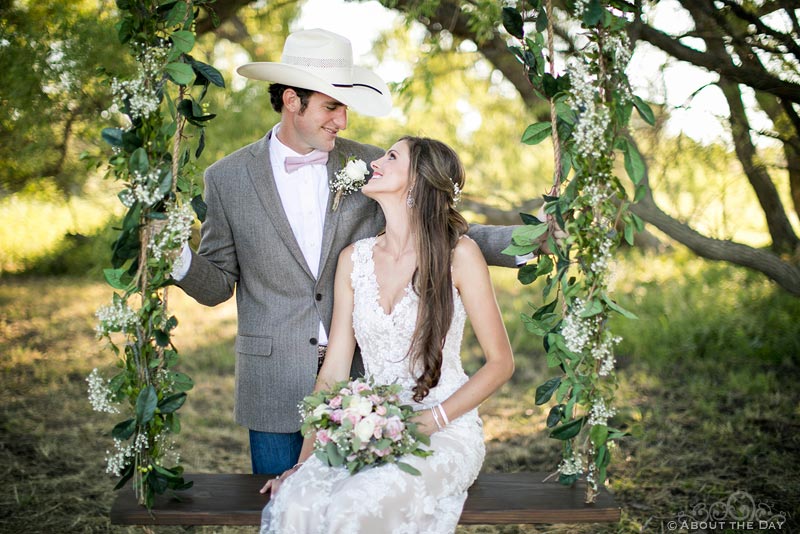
(444, 414)
(436, 418)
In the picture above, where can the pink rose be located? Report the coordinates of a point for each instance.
(394, 428)
(358, 387)
(336, 402)
(336, 416)
(375, 399)
(323, 436)
(380, 410)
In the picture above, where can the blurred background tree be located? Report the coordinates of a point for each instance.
(737, 202)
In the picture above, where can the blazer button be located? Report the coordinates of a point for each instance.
(319, 296)
(313, 341)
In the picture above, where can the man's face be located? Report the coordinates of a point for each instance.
(316, 127)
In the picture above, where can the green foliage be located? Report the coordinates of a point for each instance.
(574, 236)
(161, 106)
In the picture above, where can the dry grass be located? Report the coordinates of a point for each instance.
(705, 423)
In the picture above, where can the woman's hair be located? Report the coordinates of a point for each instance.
(437, 177)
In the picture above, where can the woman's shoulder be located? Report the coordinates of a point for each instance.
(467, 256)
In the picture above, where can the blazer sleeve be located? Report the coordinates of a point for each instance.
(214, 269)
(492, 240)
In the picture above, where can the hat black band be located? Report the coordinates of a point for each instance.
(358, 85)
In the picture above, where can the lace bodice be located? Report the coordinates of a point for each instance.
(385, 338)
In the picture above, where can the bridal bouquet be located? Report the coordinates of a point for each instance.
(360, 424)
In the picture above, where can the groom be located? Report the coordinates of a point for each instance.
(272, 236)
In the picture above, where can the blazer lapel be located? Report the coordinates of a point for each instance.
(335, 161)
(260, 171)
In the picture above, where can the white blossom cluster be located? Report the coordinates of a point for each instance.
(603, 352)
(577, 330)
(116, 461)
(144, 188)
(175, 233)
(141, 92)
(602, 255)
(117, 317)
(100, 393)
(600, 413)
(593, 117)
(571, 466)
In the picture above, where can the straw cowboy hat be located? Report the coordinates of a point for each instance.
(323, 61)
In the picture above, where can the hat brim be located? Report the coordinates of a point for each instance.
(369, 94)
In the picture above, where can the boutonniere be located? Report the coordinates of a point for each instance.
(348, 179)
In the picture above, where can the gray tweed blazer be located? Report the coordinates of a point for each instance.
(247, 245)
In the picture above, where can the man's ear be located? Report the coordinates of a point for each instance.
(291, 102)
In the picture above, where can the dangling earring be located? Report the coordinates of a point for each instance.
(410, 198)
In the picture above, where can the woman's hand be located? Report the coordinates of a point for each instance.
(425, 422)
(273, 484)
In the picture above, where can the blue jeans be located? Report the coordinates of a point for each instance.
(273, 453)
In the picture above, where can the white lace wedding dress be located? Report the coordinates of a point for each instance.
(384, 499)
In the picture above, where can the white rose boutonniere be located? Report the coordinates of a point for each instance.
(349, 179)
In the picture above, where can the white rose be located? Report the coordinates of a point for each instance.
(320, 410)
(365, 429)
(362, 406)
(355, 170)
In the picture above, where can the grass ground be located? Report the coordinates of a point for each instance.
(707, 378)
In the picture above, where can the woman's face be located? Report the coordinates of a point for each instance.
(390, 173)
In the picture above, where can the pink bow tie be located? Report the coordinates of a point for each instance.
(317, 157)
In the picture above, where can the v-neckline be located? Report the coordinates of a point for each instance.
(406, 291)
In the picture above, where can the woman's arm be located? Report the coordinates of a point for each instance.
(341, 346)
(471, 278)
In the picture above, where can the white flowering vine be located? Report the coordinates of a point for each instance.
(576, 234)
(159, 114)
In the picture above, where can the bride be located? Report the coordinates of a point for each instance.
(404, 297)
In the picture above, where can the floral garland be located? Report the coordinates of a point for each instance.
(575, 235)
(160, 113)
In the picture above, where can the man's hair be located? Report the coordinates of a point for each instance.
(276, 91)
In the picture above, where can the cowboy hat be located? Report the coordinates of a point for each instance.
(323, 61)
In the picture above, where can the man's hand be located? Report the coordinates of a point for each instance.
(273, 484)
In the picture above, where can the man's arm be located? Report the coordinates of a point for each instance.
(214, 269)
(492, 240)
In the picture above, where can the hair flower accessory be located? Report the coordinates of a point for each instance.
(349, 179)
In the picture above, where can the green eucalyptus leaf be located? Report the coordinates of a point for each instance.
(634, 163)
(644, 110)
(512, 22)
(124, 430)
(592, 308)
(335, 458)
(180, 73)
(541, 20)
(545, 266)
(117, 278)
(146, 404)
(567, 430)
(555, 415)
(593, 13)
(172, 403)
(527, 234)
(517, 250)
(527, 274)
(617, 308)
(408, 468)
(178, 13)
(536, 133)
(112, 136)
(529, 219)
(200, 207)
(207, 72)
(139, 162)
(567, 480)
(598, 434)
(546, 390)
(183, 40)
(181, 382)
